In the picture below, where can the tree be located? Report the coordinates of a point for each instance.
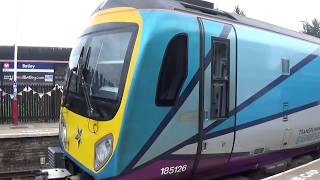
(312, 28)
(237, 10)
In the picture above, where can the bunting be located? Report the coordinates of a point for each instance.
(40, 95)
(29, 89)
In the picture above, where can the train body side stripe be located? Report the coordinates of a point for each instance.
(279, 80)
(227, 130)
(308, 59)
(225, 32)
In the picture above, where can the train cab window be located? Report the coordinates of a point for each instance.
(220, 77)
(174, 70)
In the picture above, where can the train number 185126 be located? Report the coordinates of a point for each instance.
(173, 170)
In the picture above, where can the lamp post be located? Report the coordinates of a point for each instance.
(15, 113)
(14, 105)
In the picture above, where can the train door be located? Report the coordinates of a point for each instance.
(218, 96)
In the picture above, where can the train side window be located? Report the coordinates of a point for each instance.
(220, 77)
(174, 71)
(285, 67)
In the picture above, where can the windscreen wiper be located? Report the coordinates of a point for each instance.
(64, 104)
(86, 93)
(84, 84)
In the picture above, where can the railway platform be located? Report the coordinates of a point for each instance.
(29, 130)
(309, 171)
(25, 148)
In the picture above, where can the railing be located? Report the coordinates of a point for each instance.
(36, 103)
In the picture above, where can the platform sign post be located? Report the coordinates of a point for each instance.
(15, 113)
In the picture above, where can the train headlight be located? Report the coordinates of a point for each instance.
(103, 151)
(63, 131)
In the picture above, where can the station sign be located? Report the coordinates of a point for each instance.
(29, 67)
(28, 73)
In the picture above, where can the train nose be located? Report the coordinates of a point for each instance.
(77, 138)
(90, 143)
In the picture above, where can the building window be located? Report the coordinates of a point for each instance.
(220, 77)
(174, 71)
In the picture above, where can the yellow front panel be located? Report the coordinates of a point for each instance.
(74, 122)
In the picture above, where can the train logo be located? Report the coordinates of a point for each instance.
(6, 66)
(78, 137)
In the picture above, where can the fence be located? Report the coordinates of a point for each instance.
(40, 103)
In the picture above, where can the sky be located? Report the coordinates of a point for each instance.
(58, 23)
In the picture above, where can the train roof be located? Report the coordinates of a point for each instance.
(204, 9)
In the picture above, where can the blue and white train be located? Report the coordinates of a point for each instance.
(176, 89)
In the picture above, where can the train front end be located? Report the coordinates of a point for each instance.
(98, 81)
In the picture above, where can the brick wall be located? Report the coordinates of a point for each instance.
(23, 154)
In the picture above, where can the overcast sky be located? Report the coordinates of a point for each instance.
(60, 22)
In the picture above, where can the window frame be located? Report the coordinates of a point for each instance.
(111, 107)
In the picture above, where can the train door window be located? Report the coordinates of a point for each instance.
(220, 77)
(173, 71)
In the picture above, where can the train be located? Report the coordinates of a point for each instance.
(176, 89)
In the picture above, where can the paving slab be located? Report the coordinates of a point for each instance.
(29, 130)
(309, 171)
